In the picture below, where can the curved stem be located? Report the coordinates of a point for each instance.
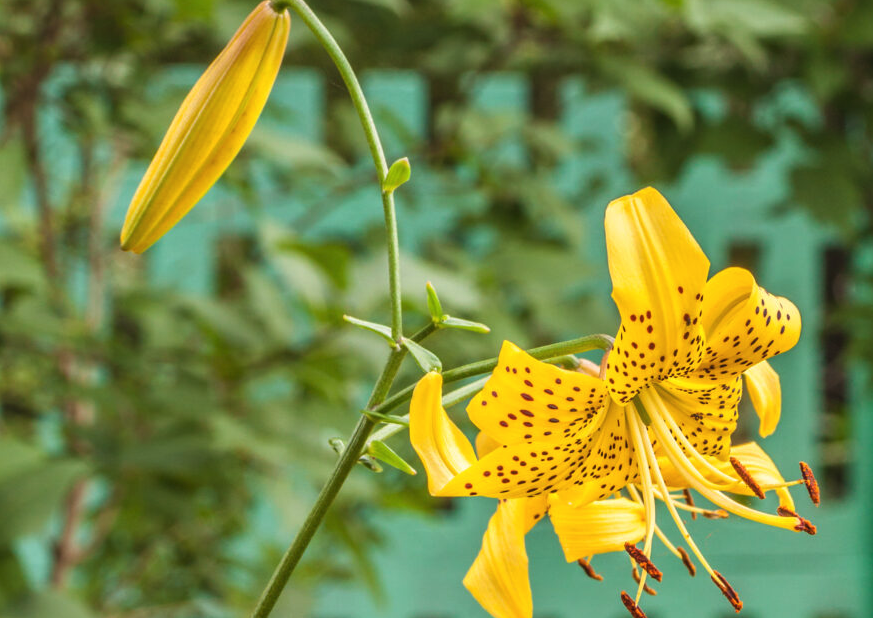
(374, 144)
(546, 352)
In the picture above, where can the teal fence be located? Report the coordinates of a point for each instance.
(736, 216)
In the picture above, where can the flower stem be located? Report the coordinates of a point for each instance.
(376, 152)
(358, 440)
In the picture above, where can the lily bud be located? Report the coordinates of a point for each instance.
(210, 127)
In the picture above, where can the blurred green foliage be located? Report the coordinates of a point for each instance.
(183, 435)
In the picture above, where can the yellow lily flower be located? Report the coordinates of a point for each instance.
(210, 127)
(670, 394)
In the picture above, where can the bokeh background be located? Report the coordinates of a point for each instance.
(164, 419)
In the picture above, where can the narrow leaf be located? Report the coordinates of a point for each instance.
(426, 359)
(433, 303)
(384, 453)
(380, 329)
(476, 327)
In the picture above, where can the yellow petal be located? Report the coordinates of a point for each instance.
(485, 444)
(498, 578)
(599, 452)
(658, 272)
(443, 449)
(762, 384)
(596, 528)
(526, 399)
(744, 324)
(706, 413)
(209, 129)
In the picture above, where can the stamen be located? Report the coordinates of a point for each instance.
(632, 607)
(589, 570)
(643, 561)
(811, 483)
(709, 514)
(727, 590)
(686, 560)
(690, 502)
(747, 478)
(803, 525)
(716, 514)
(637, 430)
(648, 590)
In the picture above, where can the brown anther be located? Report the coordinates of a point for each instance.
(686, 560)
(690, 502)
(643, 560)
(747, 478)
(589, 570)
(811, 483)
(632, 607)
(646, 587)
(716, 514)
(727, 590)
(803, 525)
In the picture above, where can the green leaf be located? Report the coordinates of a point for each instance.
(380, 329)
(398, 174)
(29, 497)
(426, 359)
(49, 603)
(448, 321)
(433, 303)
(651, 88)
(384, 453)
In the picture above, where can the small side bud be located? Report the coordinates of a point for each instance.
(398, 174)
(434, 307)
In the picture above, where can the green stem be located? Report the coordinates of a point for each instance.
(365, 425)
(376, 152)
(546, 352)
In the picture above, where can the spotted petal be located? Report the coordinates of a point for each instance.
(762, 384)
(658, 272)
(443, 449)
(596, 528)
(744, 324)
(706, 414)
(526, 399)
(498, 578)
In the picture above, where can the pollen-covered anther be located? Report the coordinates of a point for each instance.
(686, 560)
(716, 514)
(727, 590)
(648, 589)
(589, 570)
(690, 502)
(643, 560)
(632, 607)
(803, 524)
(747, 478)
(810, 482)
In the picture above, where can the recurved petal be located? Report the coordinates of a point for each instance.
(658, 272)
(705, 413)
(762, 384)
(756, 462)
(526, 399)
(596, 528)
(210, 127)
(498, 578)
(443, 449)
(744, 325)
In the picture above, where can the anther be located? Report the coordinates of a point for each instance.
(727, 590)
(690, 502)
(686, 560)
(646, 587)
(803, 525)
(589, 570)
(747, 478)
(716, 514)
(632, 607)
(811, 483)
(643, 560)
